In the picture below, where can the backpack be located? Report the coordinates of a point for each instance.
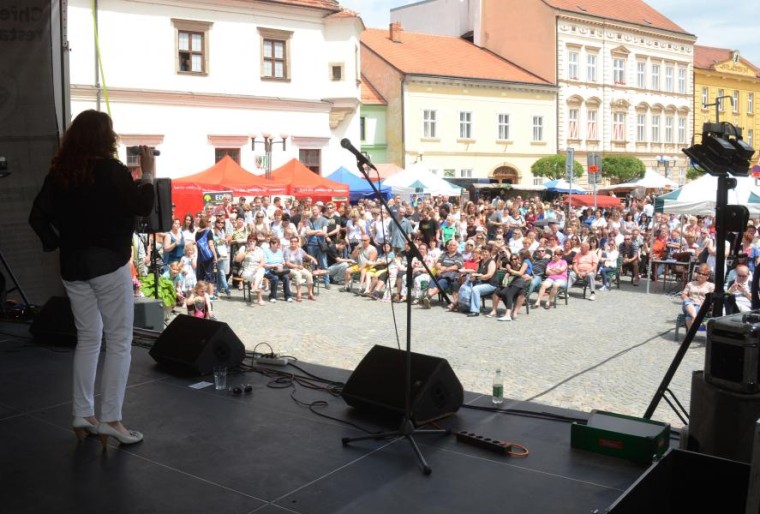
(203, 248)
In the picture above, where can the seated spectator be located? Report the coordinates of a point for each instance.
(630, 250)
(338, 260)
(199, 302)
(275, 271)
(609, 264)
(252, 262)
(481, 282)
(296, 260)
(584, 267)
(447, 272)
(376, 277)
(519, 272)
(740, 288)
(540, 259)
(693, 295)
(365, 256)
(556, 278)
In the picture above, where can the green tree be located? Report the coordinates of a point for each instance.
(694, 172)
(553, 167)
(623, 168)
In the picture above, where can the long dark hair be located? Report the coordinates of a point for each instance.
(89, 139)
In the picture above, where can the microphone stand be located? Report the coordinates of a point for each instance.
(407, 430)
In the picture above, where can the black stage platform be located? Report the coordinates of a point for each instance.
(208, 451)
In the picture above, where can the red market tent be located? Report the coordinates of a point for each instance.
(303, 182)
(602, 201)
(225, 175)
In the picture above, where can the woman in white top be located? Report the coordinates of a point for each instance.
(252, 258)
(609, 263)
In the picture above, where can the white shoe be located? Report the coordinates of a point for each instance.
(506, 317)
(604, 288)
(273, 300)
(592, 297)
(105, 431)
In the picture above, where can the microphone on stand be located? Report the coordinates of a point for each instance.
(360, 157)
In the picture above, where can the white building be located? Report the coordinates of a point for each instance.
(624, 71)
(199, 78)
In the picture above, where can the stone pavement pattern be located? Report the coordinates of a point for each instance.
(610, 354)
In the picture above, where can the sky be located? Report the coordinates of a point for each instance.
(732, 25)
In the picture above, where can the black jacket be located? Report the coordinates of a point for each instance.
(91, 224)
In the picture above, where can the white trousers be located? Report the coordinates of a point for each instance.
(101, 305)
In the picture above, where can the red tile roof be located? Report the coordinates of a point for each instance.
(444, 56)
(332, 5)
(706, 57)
(630, 11)
(370, 96)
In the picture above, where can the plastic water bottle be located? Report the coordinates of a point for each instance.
(498, 388)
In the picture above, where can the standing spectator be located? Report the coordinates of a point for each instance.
(222, 240)
(206, 259)
(188, 229)
(315, 232)
(174, 245)
(87, 208)
(398, 236)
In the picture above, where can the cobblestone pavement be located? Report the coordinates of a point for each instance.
(610, 354)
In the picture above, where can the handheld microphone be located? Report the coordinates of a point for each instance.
(135, 150)
(360, 157)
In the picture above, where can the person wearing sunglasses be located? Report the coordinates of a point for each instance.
(740, 288)
(693, 295)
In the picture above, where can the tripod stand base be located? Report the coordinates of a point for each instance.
(407, 431)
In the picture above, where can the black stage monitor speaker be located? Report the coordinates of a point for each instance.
(378, 384)
(54, 324)
(194, 346)
(160, 220)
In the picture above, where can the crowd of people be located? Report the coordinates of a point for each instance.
(500, 249)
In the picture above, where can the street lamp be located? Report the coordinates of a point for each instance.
(268, 141)
(667, 162)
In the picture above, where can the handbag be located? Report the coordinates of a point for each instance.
(221, 250)
(322, 245)
(203, 247)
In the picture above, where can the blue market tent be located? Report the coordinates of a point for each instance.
(357, 186)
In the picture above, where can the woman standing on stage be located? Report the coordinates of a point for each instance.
(87, 208)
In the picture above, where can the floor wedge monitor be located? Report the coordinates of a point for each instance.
(378, 384)
(195, 346)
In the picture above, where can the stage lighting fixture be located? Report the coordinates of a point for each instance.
(722, 151)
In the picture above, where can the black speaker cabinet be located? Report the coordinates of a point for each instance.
(733, 352)
(378, 384)
(684, 482)
(721, 422)
(54, 324)
(160, 220)
(193, 346)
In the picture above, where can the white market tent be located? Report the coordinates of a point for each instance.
(651, 180)
(698, 197)
(417, 179)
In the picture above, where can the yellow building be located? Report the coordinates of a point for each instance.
(719, 72)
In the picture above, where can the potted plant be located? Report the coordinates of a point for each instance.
(166, 292)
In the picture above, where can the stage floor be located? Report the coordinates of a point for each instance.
(211, 451)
